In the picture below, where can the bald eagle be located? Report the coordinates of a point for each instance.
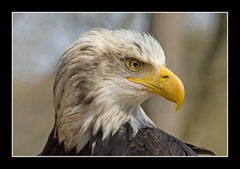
(101, 81)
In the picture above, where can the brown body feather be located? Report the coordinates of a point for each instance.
(147, 142)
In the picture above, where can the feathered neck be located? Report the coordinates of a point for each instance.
(76, 127)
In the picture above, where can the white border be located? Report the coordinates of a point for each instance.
(122, 156)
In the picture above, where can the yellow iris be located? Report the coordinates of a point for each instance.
(134, 64)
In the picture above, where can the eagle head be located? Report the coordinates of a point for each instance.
(101, 81)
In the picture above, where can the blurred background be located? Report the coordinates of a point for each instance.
(195, 45)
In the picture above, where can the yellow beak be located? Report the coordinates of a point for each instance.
(165, 84)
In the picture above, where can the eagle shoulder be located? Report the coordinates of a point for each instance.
(155, 142)
(147, 142)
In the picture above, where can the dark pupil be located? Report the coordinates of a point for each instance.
(135, 63)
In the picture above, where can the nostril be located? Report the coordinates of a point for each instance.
(164, 77)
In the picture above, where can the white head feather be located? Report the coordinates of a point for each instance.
(91, 91)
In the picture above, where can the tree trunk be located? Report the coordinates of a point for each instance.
(166, 28)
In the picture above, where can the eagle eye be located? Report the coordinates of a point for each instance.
(134, 64)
